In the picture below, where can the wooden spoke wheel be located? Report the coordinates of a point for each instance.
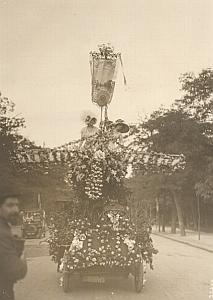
(39, 234)
(139, 276)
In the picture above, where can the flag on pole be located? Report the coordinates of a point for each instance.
(104, 65)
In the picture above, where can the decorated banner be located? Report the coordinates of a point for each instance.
(104, 64)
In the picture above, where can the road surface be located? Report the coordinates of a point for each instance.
(181, 273)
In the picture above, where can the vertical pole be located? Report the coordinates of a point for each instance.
(39, 200)
(106, 115)
(102, 127)
(198, 210)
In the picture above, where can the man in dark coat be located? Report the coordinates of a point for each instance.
(13, 265)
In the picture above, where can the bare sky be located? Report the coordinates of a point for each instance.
(44, 57)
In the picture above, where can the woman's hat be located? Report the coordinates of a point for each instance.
(89, 119)
(87, 115)
(93, 119)
(123, 127)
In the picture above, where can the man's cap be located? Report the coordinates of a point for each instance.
(6, 192)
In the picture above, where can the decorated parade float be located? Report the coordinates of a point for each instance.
(101, 240)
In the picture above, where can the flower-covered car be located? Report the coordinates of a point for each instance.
(113, 248)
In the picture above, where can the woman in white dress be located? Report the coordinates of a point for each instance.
(89, 130)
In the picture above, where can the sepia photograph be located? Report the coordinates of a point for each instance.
(106, 149)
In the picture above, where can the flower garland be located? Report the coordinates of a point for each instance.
(106, 51)
(94, 182)
(96, 172)
(139, 157)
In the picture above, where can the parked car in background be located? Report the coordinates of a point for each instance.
(34, 224)
(17, 230)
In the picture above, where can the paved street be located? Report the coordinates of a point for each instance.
(181, 273)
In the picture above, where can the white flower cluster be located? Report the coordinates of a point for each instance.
(106, 51)
(77, 242)
(94, 183)
(130, 243)
(114, 218)
(99, 154)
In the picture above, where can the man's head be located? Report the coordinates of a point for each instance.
(9, 208)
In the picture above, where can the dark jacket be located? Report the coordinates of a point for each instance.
(12, 268)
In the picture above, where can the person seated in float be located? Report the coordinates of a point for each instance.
(118, 128)
(89, 130)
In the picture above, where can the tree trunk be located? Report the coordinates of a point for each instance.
(194, 214)
(163, 215)
(187, 220)
(157, 214)
(163, 222)
(150, 213)
(179, 214)
(198, 210)
(205, 217)
(174, 218)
